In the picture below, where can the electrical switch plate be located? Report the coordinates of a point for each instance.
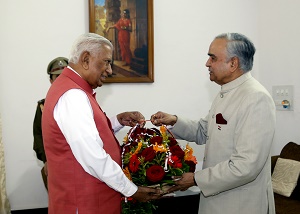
(283, 96)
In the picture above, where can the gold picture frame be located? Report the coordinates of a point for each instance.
(134, 64)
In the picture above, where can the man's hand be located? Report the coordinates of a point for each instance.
(161, 118)
(144, 194)
(131, 118)
(183, 183)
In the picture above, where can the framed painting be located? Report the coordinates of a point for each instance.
(128, 24)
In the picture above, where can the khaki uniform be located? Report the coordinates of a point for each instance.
(38, 145)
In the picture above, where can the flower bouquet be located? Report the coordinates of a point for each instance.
(150, 157)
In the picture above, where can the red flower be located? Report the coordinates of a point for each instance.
(192, 165)
(177, 151)
(134, 163)
(138, 131)
(126, 149)
(173, 141)
(156, 139)
(175, 162)
(148, 153)
(137, 134)
(155, 173)
(152, 131)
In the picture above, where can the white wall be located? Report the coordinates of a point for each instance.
(33, 32)
(279, 61)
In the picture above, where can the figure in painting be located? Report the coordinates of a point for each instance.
(124, 28)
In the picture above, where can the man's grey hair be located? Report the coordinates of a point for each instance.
(241, 47)
(90, 42)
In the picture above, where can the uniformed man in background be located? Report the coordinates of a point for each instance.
(54, 69)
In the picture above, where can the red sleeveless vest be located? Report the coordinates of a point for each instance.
(70, 187)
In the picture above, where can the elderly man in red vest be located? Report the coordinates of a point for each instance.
(84, 173)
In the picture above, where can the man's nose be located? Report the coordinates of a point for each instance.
(109, 69)
(208, 62)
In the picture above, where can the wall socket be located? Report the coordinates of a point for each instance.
(283, 96)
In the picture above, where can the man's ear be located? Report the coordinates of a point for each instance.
(85, 59)
(234, 64)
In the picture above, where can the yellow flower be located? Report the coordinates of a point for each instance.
(159, 148)
(125, 139)
(127, 173)
(138, 148)
(163, 131)
(188, 150)
(189, 154)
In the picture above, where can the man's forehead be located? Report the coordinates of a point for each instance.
(217, 46)
(106, 52)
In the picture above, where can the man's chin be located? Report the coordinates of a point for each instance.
(101, 82)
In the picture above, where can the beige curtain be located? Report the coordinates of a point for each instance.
(4, 203)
